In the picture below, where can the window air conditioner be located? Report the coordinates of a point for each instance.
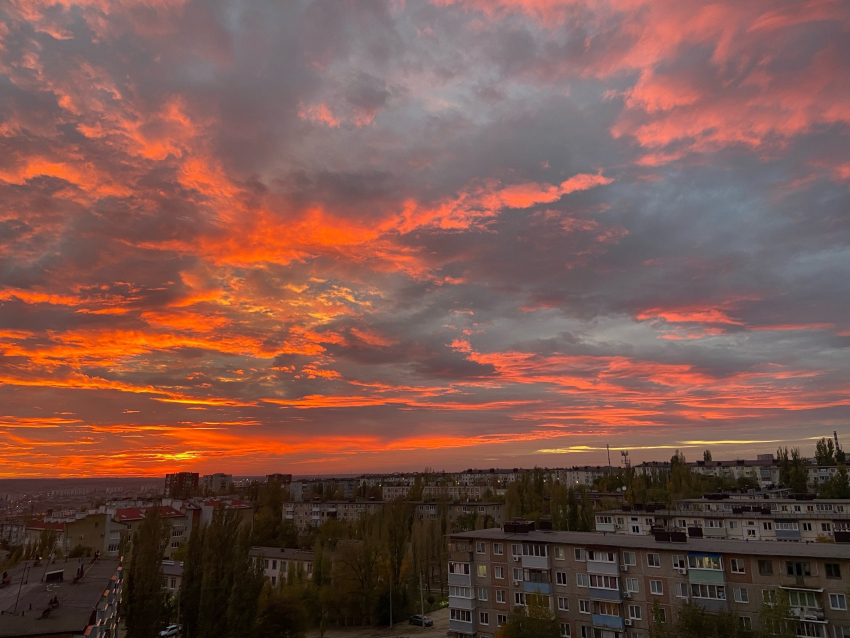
(624, 568)
(683, 570)
(516, 559)
(628, 622)
(627, 594)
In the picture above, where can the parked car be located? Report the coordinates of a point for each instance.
(422, 621)
(171, 630)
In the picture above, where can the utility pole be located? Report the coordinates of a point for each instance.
(391, 597)
(23, 573)
(608, 448)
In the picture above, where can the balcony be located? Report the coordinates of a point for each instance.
(535, 562)
(706, 576)
(788, 534)
(606, 527)
(612, 595)
(537, 588)
(464, 580)
(461, 626)
(608, 622)
(461, 603)
(600, 567)
(460, 557)
(713, 605)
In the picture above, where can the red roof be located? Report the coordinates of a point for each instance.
(46, 525)
(138, 513)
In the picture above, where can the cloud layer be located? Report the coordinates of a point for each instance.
(326, 236)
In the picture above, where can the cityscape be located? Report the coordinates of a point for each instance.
(424, 318)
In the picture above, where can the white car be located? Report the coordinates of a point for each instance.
(171, 630)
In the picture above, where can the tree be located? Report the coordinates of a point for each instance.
(837, 486)
(660, 627)
(534, 621)
(706, 456)
(784, 466)
(825, 452)
(798, 476)
(248, 581)
(193, 575)
(282, 617)
(572, 510)
(776, 618)
(586, 521)
(145, 598)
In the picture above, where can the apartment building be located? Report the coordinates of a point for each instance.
(454, 492)
(305, 490)
(181, 484)
(392, 492)
(132, 517)
(776, 519)
(491, 514)
(605, 586)
(216, 483)
(279, 565)
(313, 514)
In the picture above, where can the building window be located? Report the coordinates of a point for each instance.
(769, 596)
(807, 527)
(838, 601)
(629, 558)
(602, 557)
(274, 580)
(499, 572)
(826, 527)
(265, 564)
(482, 571)
(634, 612)
(484, 618)
(681, 590)
(715, 592)
(833, 570)
(798, 568)
(656, 587)
(501, 619)
(604, 582)
(500, 596)
(662, 615)
(632, 585)
(742, 595)
(705, 562)
(463, 615)
(519, 598)
(274, 564)
(586, 632)
(765, 568)
(517, 574)
(561, 578)
(653, 560)
(737, 565)
(563, 604)
(559, 553)
(679, 561)
(746, 622)
(498, 549)
(584, 606)
(582, 580)
(767, 525)
(564, 630)
(580, 554)
(482, 593)
(802, 599)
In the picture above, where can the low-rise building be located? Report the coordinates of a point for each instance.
(307, 515)
(280, 565)
(392, 492)
(133, 516)
(172, 576)
(607, 584)
(62, 598)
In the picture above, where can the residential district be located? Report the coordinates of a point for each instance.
(653, 550)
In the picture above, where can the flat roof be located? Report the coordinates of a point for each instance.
(282, 553)
(708, 545)
(77, 602)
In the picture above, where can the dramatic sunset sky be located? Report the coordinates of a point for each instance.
(353, 235)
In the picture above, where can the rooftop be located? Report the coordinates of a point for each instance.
(710, 545)
(77, 601)
(282, 553)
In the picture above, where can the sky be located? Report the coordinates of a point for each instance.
(336, 236)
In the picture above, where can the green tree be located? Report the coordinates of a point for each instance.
(146, 611)
(784, 466)
(825, 452)
(837, 486)
(572, 510)
(247, 585)
(798, 476)
(706, 456)
(660, 627)
(282, 616)
(776, 618)
(586, 520)
(193, 576)
(534, 621)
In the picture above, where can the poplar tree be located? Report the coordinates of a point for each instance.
(145, 594)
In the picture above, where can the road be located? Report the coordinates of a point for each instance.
(400, 630)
